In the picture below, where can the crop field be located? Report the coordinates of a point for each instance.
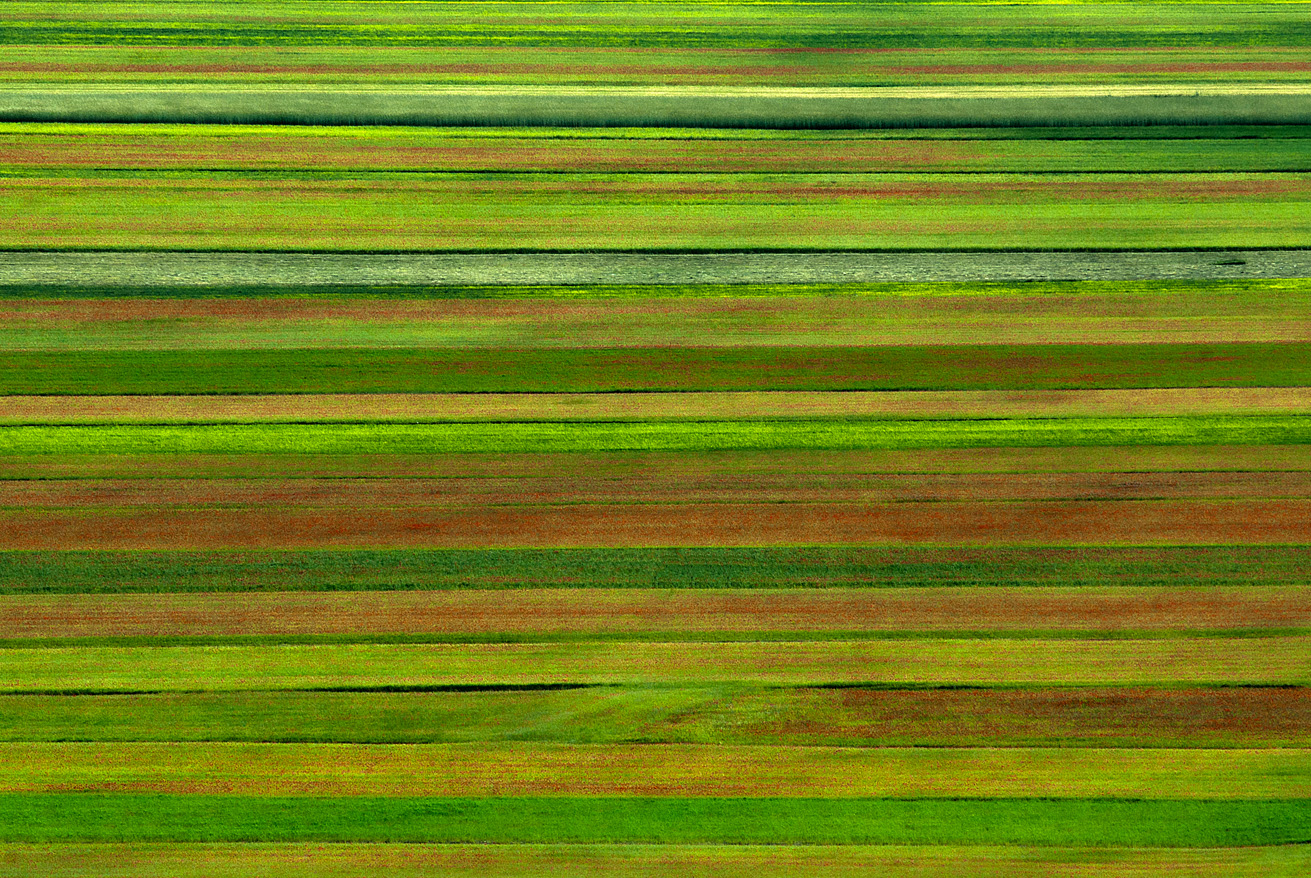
(655, 438)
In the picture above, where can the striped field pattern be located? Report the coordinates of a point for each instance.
(655, 438)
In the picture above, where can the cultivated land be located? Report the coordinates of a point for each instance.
(655, 438)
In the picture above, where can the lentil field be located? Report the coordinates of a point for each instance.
(655, 438)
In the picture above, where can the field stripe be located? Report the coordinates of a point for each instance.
(684, 368)
(126, 274)
(660, 465)
(708, 715)
(1267, 660)
(686, 436)
(502, 770)
(1112, 823)
(1071, 523)
(1146, 402)
(302, 860)
(1162, 567)
(624, 610)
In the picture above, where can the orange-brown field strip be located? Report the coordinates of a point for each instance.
(629, 465)
(658, 486)
(593, 406)
(648, 770)
(1146, 522)
(475, 611)
(1118, 716)
(1143, 316)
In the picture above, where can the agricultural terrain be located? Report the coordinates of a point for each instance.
(655, 438)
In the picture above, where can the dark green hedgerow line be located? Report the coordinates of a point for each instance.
(1094, 822)
(742, 567)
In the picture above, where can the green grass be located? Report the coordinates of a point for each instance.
(707, 715)
(1279, 660)
(463, 370)
(643, 24)
(651, 436)
(809, 566)
(389, 212)
(1110, 823)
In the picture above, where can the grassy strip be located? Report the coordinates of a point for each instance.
(302, 860)
(654, 436)
(50, 146)
(650, 25)
(411, 370)
(310, 408)
(502, 213)
(646, 614)
(514, 769)
(805, 567)
(1218, 717)
(1110, 823)
(1159, 460)
(1265, 660)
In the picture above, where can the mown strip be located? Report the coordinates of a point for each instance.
(1284, 660)
(691, 771)
(1102, 823)
(344, 860)
(465, 370)
(718, 107)
(68, 572)
(846, 716)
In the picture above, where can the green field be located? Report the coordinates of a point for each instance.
(657, 437)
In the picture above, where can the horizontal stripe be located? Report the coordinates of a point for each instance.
(600, 611)
(975, 524)
(301, 860)
(1275, 660)
(642, 406)
(741, 714)
(416, 770)
(1110, 823)
(57, 572)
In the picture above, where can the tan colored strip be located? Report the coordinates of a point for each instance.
(600, 610)
(593, 406)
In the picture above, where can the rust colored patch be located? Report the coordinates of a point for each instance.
(598, 611)
(735, 524)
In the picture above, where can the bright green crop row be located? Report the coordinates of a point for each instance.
(564, 370)
(649, 436)
(1092, 822)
